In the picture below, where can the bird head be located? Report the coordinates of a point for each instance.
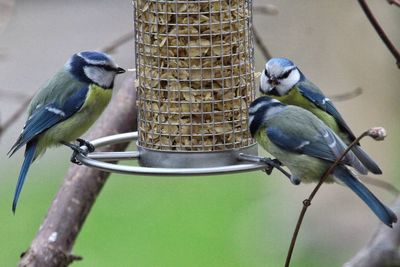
(93, 67)
(261, 110)
(279, 76)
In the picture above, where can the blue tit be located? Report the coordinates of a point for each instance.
(65, 107)
(282, 80)
(304, 144)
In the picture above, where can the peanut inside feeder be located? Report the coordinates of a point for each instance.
(196, 74)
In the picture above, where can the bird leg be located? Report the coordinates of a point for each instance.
(78, 150)
(275, 163)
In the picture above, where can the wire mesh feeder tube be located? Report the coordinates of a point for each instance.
(195, 70)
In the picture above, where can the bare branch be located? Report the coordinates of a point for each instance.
(54, 242)
(13, 94)
(110, 48)
(348, 95)
(394, 2)
(380, 183)
(259, 42)
(385, 39)
(307, 202)
(382, 250)
(6, 9)
(266, 9)
(13, 118)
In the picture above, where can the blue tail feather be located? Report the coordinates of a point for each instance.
(29, 155)
(368, 162)
(385, 214)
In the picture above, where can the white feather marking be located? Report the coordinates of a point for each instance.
(56, 111)
(251, 118)
(254, 109)
(325, 100)
(333, 144)
(303, 144)
(95, 62)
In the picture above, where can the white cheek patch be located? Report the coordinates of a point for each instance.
(99, 75)
(264, 85)
(292, 79)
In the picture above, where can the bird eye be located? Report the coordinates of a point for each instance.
(285, 74)
(266, 73)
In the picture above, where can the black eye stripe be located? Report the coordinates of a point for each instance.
(285, 74)
(106, 67)
(266, 73)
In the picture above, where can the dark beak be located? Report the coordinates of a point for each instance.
(273, 82)
(120, 70)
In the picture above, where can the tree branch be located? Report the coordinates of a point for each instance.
(394, 2)
(385, 39)
(13, 118)
(110, 48)
(347, 95)
(259, 42)
(54, 242)
(381, 184)
(382, 250)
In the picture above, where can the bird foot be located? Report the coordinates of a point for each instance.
(86, 143)
(275, 163)
(272, 163)
(78, 150)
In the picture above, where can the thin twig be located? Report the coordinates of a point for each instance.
(266, 9)
(348, 95)
(6, 11)
(380, 31)
(259, 42)
(13, 94)
(111, 47)
(307, 202)
(13, 118)
(382, 250)
(381, 184)
(394, 2)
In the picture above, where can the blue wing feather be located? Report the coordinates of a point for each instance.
(49, 115)
(326, 146)
(313, 94)
(297, 144)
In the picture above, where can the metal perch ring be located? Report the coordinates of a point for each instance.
(99, 160)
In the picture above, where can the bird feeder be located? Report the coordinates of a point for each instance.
(195, 82)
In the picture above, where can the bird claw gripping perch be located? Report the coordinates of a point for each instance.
(78, 150)
(275, 163)
(272, 163)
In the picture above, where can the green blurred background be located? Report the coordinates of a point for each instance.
(232, 220)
